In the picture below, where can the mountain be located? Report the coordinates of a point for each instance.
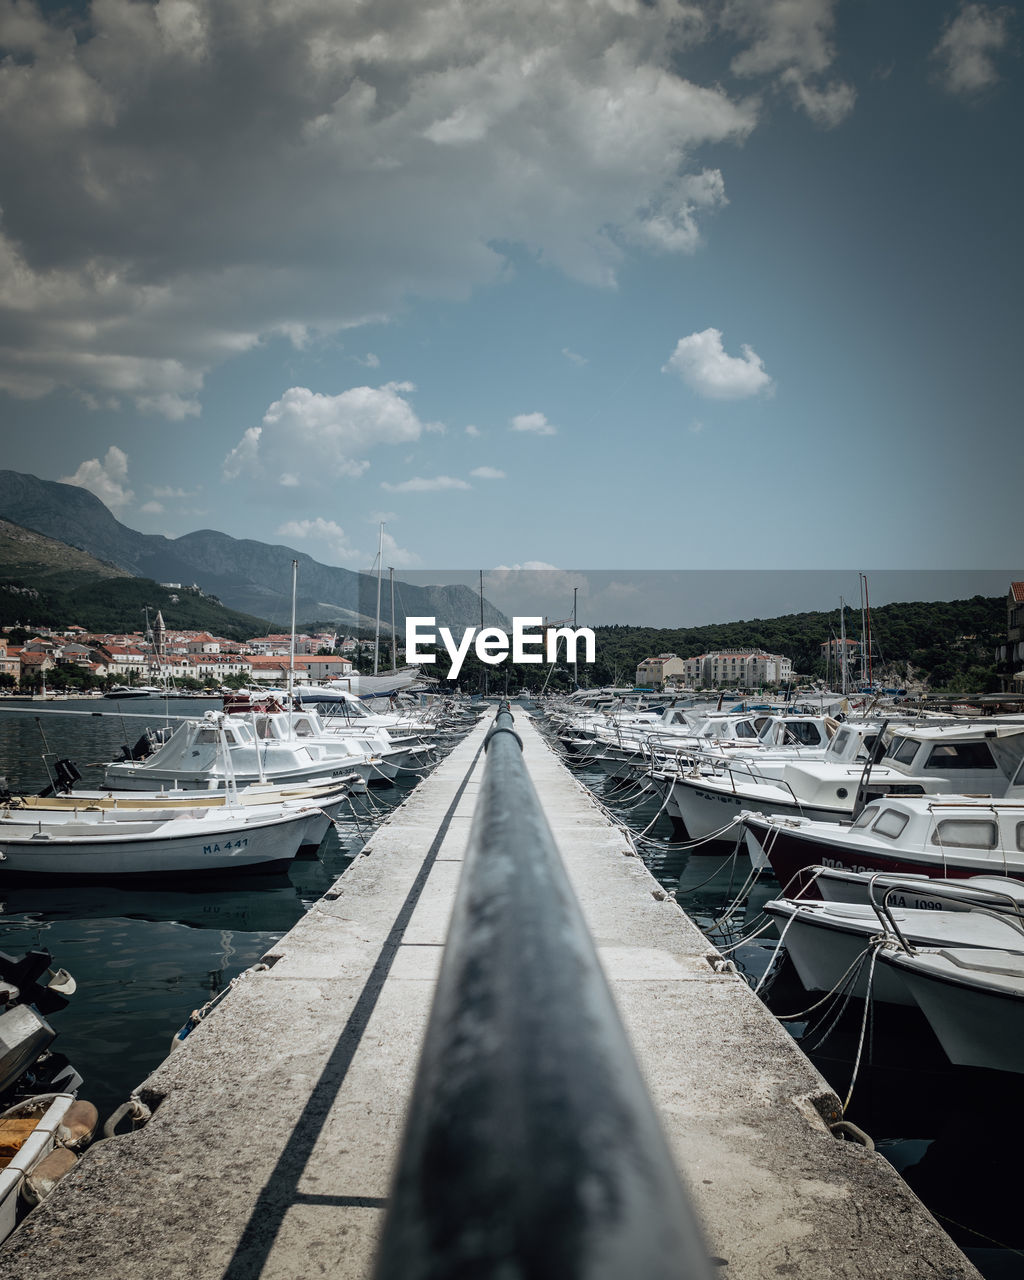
(254, 577)
(44, 582)
(28, 555)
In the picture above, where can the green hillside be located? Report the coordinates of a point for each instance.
(115, 604)
(938, 640)
(948, 646)
(32, 556)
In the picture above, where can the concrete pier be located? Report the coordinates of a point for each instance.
(276, 1124)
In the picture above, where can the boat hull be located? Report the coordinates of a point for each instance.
(791, 853)
(978, 1019)
(263, 846)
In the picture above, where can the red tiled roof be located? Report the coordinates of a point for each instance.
(1017, 591)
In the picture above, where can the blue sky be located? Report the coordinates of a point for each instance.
(620, 285)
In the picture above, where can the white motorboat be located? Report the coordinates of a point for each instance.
(761, 736)
(831, 943)
(923, 760)
(973, 999)
(945, 837)
(907, 889)
(219, 751)
(36, 1124)
(321, 804)
(38, 1106)
(396, 736)
(198, 841)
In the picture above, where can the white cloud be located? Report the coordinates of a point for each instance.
(152, 509)
(149, 233)
(106, 479)
(369, 360)
(791, 40)
(307, 437)
(536, 586)
(317, 528)
(574, 356)
(337, 545)
(536, 423)
(398, 557)
(670, 225)
(425, 484)
(472, 431)
(701, 361)
(968, 44)
(526, 567)
(487, 473)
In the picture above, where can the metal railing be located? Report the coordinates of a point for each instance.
(532, 1147)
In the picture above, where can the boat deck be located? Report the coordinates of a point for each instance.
(277, 1122)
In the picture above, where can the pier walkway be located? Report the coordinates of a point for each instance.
(276, 1125)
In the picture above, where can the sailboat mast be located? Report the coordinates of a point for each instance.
(863, 634)
(291, 648)
(867, 610)
(376, 633)
(482, 623)
(394, 651)
(842, 644)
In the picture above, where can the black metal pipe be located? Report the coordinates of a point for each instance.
(532, 1149)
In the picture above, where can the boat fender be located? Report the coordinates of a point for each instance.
(77, 1129)
(47, 1173)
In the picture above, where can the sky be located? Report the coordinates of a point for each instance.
(619, 284)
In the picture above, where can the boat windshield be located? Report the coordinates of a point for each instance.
(903, 750)
(891, 823)
(960, 755)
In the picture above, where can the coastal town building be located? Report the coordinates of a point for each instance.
(1010, 656)
(739, 668)
(10, 663)
(655, 673)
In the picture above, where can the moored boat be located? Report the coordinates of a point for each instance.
(942, 837)
(973, 1000)
(195, 842)
(923, 760)
(831, 943)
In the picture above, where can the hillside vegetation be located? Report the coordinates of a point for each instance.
(940, 641)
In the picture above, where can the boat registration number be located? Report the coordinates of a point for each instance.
(228, 844)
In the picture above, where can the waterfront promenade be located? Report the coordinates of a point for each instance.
(276, 1125)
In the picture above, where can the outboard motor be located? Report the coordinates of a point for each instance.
(145, 746)
(65, 774)
(35, 982)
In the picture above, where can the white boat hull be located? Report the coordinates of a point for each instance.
(977, 1015)
(185, 847)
